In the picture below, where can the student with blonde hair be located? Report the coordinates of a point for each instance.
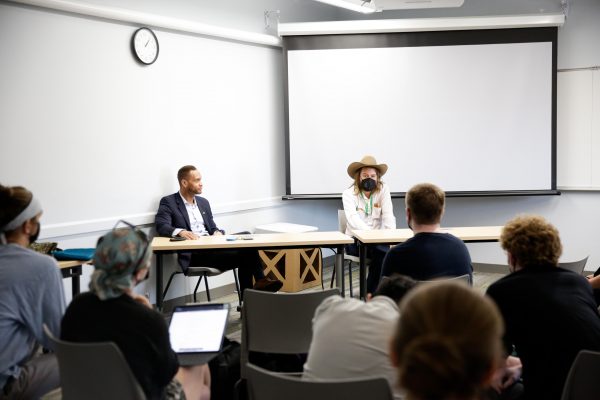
(448, 342)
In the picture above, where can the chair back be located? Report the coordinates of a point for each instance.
(278, 322)
(575, 266)
(267, 385)
(342, 221)
(94, 371)
(582, 382)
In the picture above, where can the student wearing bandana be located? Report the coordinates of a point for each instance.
(112, 312)
(368, 205)
(31, 294)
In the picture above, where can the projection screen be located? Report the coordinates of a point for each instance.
(471, 111)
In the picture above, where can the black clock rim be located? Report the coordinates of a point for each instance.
(137, 57)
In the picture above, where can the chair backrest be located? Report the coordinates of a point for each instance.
(278, 322)
(342, 221)
(582, 382)
(575, 266)
(94, 371)
(267, 385)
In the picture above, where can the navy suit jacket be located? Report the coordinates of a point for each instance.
(172, 215)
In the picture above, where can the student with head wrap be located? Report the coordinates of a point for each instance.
(112, 311)
(31, 294)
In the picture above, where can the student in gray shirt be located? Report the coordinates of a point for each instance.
(351, 338)
(31, 294)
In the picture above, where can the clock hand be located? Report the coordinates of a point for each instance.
(147, 43)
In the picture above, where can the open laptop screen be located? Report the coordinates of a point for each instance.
(198, 328)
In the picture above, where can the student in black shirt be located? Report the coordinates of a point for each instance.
(549, 312)
(111, 311)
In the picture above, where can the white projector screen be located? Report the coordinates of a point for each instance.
(472, 118)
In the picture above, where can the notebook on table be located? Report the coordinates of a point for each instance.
(196, 332)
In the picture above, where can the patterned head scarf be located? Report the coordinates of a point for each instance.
(119, 255)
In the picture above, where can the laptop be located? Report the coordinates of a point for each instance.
(196, 332)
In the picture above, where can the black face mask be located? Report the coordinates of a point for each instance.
(34, 237)
(368, 184)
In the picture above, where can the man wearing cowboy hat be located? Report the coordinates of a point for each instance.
(368, 205)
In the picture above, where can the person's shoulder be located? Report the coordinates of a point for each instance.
(35, 259)
(337, 303)
(84, 302)
(201, 200)
(503, 284)
(382, 302)
(170, 197)
(449, 239)
(401, 247)
(141, 311)
(349, 191)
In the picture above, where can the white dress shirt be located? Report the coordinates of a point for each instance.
(380, 216)
(195, 216)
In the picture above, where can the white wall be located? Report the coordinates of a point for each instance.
(576, 214)
(99, 137)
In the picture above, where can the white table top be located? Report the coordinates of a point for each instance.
(466, 234)
(285, 227)
(308, 239)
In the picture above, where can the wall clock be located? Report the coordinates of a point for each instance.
(145, 46)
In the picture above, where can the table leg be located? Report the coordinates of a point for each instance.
(362, 275)
(159, 281)
(339, 270)
(75, 283)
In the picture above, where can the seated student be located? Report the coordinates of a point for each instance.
(430, 253)
(351, 338)
(368, 205)
(448, 342)
(549, 312)
(112, 312)
(31, 294)
(188, 215)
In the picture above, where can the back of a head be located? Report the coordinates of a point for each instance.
(426, 203)
(13, 200)
(448, 341)
(119, 255)
(531, 240)
(395, 286)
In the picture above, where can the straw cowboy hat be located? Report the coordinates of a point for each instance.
(367, 161)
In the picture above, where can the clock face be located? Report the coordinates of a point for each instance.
(145, 45)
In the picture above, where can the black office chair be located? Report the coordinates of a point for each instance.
(204, 273)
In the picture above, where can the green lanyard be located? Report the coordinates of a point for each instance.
(368, 204)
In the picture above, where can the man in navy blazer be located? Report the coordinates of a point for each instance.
(188, 215)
